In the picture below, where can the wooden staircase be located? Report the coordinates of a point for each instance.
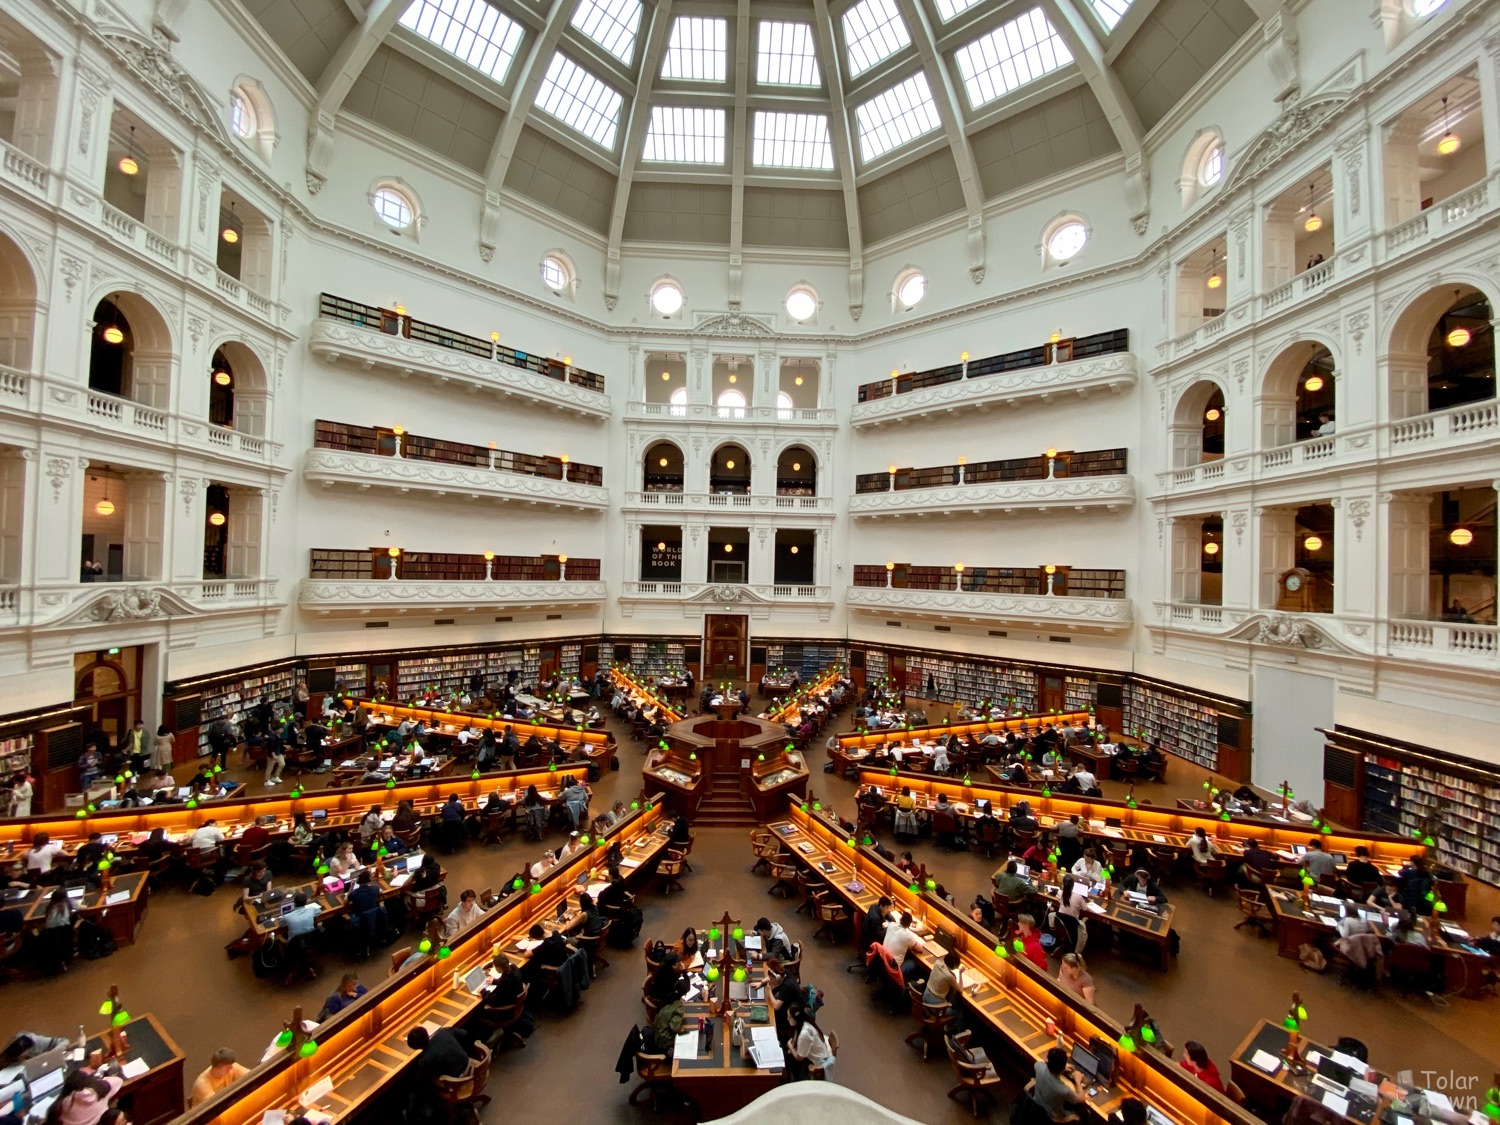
(724, 806)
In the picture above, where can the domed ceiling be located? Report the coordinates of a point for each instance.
(808, 124)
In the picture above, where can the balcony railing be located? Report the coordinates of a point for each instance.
(394, 322)
(1035, 610)
(756, 596)
(23, 170)
(1063, 463)
(1458, 427)
(749, 415)
(1458, 210)
(74, 605)
(399, 445)
(720, 501)
(1049, 580)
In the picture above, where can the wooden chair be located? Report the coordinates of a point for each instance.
(465, 1094)
(10, 949)
(422, 905)
(669, 871)
(805, 886)
(399, 957)
(785, 874)
(1256, 911)
(592, 946)
(818, 1073)
(766, 847)
(1409, 967)
(655, 1074)
(1155, 770)
(988, 836)
(247, 857)
(1211, 875)
(830, 917)
(156, 870)
(411, 837)
(1234, 1093)
(932, 1020)
(687, 850)
(202, 864)
(976, 1074)
(499, 1027)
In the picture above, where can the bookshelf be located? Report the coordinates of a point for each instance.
(15, 754)
(354, 677)
(809, 660)
(1382, 797)
(1078, 693)
(447, 674)
(1180, 725)
(569, 660)
(956, 682)
(233, 697)
(1093, 583)
(877, 666)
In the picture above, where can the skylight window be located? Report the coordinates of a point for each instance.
(610, 23)
(471, 30)
(901, 114)
(1012, 55)
(1110, 12)
(791, 140)
(685, 136)
(947, 9)
(785, 56)
(697, 50)
(873, 30)
(579, 100)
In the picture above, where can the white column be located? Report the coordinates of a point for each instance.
(1405, 378)
(85, 150)
(246, 526)
(1274, 530)
(14, 465)
(762, 568)
(1241, 267)
(695, 553)
(1352, 202)
(164, 193)
(1238, 555)
(1356, 555)
(1278, 245)
(1489, 101)
(57, 504)
(36, 103)
(1406, 517)
(768, 370)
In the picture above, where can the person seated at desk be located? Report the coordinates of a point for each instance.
(1073, 896)
(1360, 871)
(591, 919)
(210, 835)
(89, 854)
(909, 865)
(222, 1071)
(902, 943)
(1015, 773)
(1031, 941)
(1021, 818)
(1196, 1062)
(344, 864)
(84, 1098)
(1350, 923)
(773, 940)
(1132, 1111)
(1055, 1088)
(43, 856)
(945, 981)
(257, 879)
(1409, 929)
(1259, 865)
(1087, 782)
(302, 833)
(440, 1054)
(616, 896)
(406, 816)
(28, 1045)
(300, 921)
(1490, 942)
(1318, 863)
(393, 844)
(365, 908)
(370, 825)
(669, 1018)
(501, 996)
(466, 913)
(1074, 976)
(348, 991)
(1009, 882)
(808, 1045)
(1200, 848)
(1141, 882)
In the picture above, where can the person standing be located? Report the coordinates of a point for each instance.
(163, 749)
(21, 792)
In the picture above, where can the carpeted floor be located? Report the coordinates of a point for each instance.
(1222, 982)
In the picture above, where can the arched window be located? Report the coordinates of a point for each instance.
(251, 118)
(784, 406)
(396, 206)
(679, 403)
(1203, 166)
(667, 298)
(908, 290)
(731, 404)
(559, 274)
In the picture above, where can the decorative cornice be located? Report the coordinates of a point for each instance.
(378, 595)
(1111, 373)
(1067, 494)
(330, 467)
(76, 605)
(333, 341)
(1092, 613)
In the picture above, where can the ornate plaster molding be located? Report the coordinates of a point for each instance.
(1040, 495)
(333, 341)
(1109, 373)
(1091, 613)
(377, 596)
(330, 467)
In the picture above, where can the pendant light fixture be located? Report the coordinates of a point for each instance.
(1314, 383)
(1448, 143)
(1215, 278)
(1314, 222)
(223, 378)
(112, 333)
(1460, 537)
(1458, 335)
(229, 234)
(106, 506)
(1313, 543)
(128, 163)
(216, 518)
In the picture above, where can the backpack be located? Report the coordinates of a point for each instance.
(1311, 957)
(626, 928)
(93, 940)
(812, 998)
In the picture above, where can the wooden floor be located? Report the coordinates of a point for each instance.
(1222, 982)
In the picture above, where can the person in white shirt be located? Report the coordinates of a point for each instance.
(940, 757)
(541, 865)
(1088, 868)
(900, 941)
(1201, 848)
(1326, 426)
(808, 1044)
(465, 913)
(1075, 892)
(208, 836)
(1085, 779)
(20, 795)
(44, 852)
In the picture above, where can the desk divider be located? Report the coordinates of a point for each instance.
(362, 1049)
(1016, 999)
(934, 731)
(1151, 818)
(345, 801)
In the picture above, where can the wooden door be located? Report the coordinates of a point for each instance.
(1050, 694)
(726, 637)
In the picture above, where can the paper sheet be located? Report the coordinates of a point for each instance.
(134, 1068)
(319, 1089)
(686, 1046)
(1334, 1102)
(1264, 1060)
(114, 898)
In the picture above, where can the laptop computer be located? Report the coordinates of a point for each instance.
(37, 1069)
(1155, 1116)
(1103, 1051)
(477, 979)
(1085, 1063)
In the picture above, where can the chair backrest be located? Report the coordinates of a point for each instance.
(480, 1068)
(398, 959)
(944, 823)
(1406, 957)
(833, 1043)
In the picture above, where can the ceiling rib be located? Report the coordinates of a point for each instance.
(529, 78)
(1119, 110)
(737, 159)
(630, 154)
(945, 97)
(338, 79)
(843, 152)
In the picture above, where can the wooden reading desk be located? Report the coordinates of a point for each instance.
(120, 909)
(647, 697)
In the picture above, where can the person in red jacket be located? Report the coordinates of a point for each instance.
(1031, 941)
(1196, 1062)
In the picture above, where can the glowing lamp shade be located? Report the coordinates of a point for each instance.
(1313, 543)
(1460, 537)
(1056, 336)
(958, 568)
(567, 361)
(890, 566)
(562, 559)
(798, 380)
(128, 165)
(494, 337)
(796, 466)
(113, 334)
(963, 357)
(217, 519)
(891, 469)
(729, 548)
(729, 464)
(662, 462)
(734, 378)
(1050, 569)
(564, 459)
(662, 545)
(1051, 453)
(394, 552)
(1456, 338)
(1215, 280)
(666, 375)
(489, 556)
(1314, 222)
(230, 235)
(105, 507)
(1213, 414)
(794, 548)
(1314, 383)
(1210, 548)
(1449, 143)
(400, 310)
(223, 378)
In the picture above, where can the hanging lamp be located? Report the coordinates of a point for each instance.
(128, 163)
(1314, 222)
(1448, 143)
